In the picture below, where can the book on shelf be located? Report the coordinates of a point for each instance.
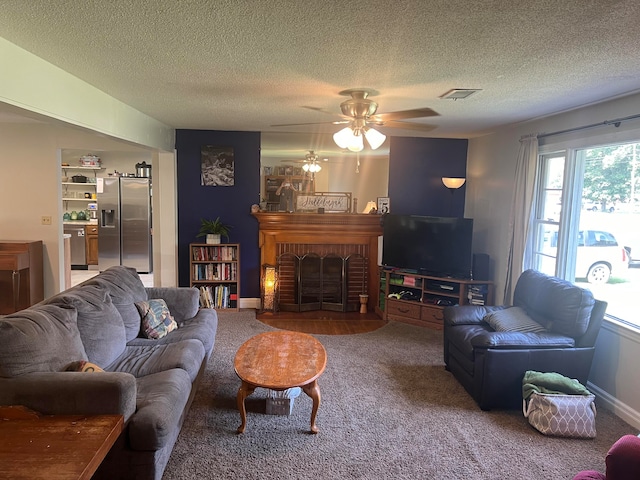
(215, 271)
(215, 253)
(219, 296)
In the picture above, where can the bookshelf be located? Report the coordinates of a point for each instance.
(214, 269)
(419, 299)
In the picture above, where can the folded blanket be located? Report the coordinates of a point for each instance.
(551, 382)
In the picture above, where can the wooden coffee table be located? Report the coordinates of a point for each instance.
(280, 360)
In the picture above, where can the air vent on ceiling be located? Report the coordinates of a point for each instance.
(459, 93)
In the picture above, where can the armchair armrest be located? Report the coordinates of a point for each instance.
(183, 302)
(81, 393)
(467, 314)
(518, 340)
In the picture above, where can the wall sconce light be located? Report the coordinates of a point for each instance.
(453, 183)
(269, 288)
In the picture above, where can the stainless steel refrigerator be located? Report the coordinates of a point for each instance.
(124, 223)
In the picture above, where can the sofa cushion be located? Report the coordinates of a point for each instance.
(156, 320)
(43, 338)
(99, 322)
(513, 319)
(147, 360)
(160, 403)
(184, 302)
(556, 304)
(125, 288)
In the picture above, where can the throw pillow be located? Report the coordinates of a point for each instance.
(83, 366)
(513, 319)
(156, 318)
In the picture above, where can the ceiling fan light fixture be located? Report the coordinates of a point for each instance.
(343, 137)
(356, 143)
(311, 167)
(374, 137)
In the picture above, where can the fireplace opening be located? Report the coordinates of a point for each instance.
(313, 282)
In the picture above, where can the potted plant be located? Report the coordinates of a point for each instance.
(213, 230)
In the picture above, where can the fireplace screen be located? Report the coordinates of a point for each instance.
(314, 282)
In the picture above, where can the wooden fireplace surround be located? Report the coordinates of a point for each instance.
(328, 229)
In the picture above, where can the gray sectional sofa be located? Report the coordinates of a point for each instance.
(151, 382)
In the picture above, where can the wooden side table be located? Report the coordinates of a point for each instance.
(21, 275)
(47, 447)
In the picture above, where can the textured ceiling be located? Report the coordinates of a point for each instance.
(250, 64)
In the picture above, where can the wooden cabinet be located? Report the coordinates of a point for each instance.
(21, 275)
(91, 244)
(420, 299)
(215, 270)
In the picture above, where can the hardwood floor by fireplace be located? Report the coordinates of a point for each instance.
(323, 322)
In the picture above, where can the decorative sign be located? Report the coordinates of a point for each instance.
(328, 202)
(383, 205)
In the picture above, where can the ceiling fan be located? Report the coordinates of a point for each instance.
(359, 113)
(310, 163)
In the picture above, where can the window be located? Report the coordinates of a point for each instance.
(587, 222)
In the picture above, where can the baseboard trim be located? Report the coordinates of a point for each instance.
(250, 303)
(620, 409)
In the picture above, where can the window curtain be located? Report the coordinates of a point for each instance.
(521, 210)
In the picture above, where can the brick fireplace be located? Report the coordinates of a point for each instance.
(324, 243)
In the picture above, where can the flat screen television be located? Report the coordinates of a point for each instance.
(436, 246)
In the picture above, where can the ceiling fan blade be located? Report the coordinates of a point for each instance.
(337, 122)
(420, 127)
(415, 113)
(318, 109)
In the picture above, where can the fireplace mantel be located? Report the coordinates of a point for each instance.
(331, 229)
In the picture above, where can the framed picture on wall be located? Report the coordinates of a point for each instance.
(217, 166)
(384, 205)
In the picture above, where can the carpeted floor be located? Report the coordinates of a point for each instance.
(389, 410)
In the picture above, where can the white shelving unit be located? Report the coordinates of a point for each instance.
(78, 189)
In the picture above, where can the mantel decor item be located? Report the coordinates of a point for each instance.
(384, 205)
(213, 230)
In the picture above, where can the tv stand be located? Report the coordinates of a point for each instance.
(419, 299)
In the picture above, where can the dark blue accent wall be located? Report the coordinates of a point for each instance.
(416, 168)
(232, 204)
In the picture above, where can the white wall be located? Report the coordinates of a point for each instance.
(30, 155)
(490, 173)
(165, 215)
